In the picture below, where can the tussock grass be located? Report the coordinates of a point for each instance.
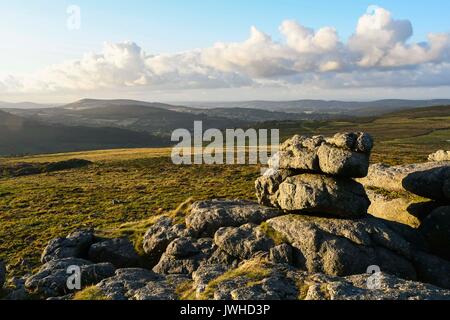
(270, 232)
(90, 294)
(186, 291)
(253, 270)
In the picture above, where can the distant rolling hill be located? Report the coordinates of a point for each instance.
(25, 136)
(333, 107)
(155, 118)
(24, 105)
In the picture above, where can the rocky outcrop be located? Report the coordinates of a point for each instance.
(429, 180)
(119, 252)
(345, 154)
(286, 283)
(322, 194)
(399, 207)
(75, 245)
(207, 217)
(52, 278)
(439, 156)
(314, 175)
(158, 237)
(436, 230)
(139, 284)
(309, 238)
(344, 247)
(184, 255)
(407, 193)
(243, 242)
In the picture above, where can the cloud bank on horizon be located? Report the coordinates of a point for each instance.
(378, 54)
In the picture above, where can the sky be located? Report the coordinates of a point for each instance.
(198, 50)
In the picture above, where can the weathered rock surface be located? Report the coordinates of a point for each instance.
(345, 154)
(403, 209)
(323, 194)
(2, 274)
(440, 155)
(75, 245)
(119, 252)
(345, 247)
(387, 287)
(158, 237)
(285, 283)
(184, 255)
(282, 253)
(436, 230)
(139, 284)
(243, 242)
(51, 279)
(429, 180)
(207, 217)
(268, 184)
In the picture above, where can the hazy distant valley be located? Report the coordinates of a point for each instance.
(28, 128)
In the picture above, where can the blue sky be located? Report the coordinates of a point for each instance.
(34, 33)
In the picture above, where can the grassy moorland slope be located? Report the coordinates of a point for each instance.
(124, 190)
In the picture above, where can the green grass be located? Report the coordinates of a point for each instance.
(90, 294)
(117, 197)
(253, 271)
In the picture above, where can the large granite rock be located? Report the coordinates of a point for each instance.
(343, 247)
(184, 256)
(322, 194)
(75, 245)
(207, 217)
(268, 184)
(345, 154)
(158, 237)
(429, 180)
(436, 230)
(51, 279)
(140, 284)
(243, 242)
(399, 208)
(119, 252)
(281, 282)
(439, 156)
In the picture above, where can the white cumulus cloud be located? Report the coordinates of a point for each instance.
(379, 53)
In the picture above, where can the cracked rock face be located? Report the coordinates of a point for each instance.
(207, 217)
(345, 154)
(243, 242)
(75, 245)
(184, 256)
(322, 194)
(405, 210)
(140, 284)
(345, 247)
(160, 235)
(429, 180)
(51, 279)
(119, 252)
